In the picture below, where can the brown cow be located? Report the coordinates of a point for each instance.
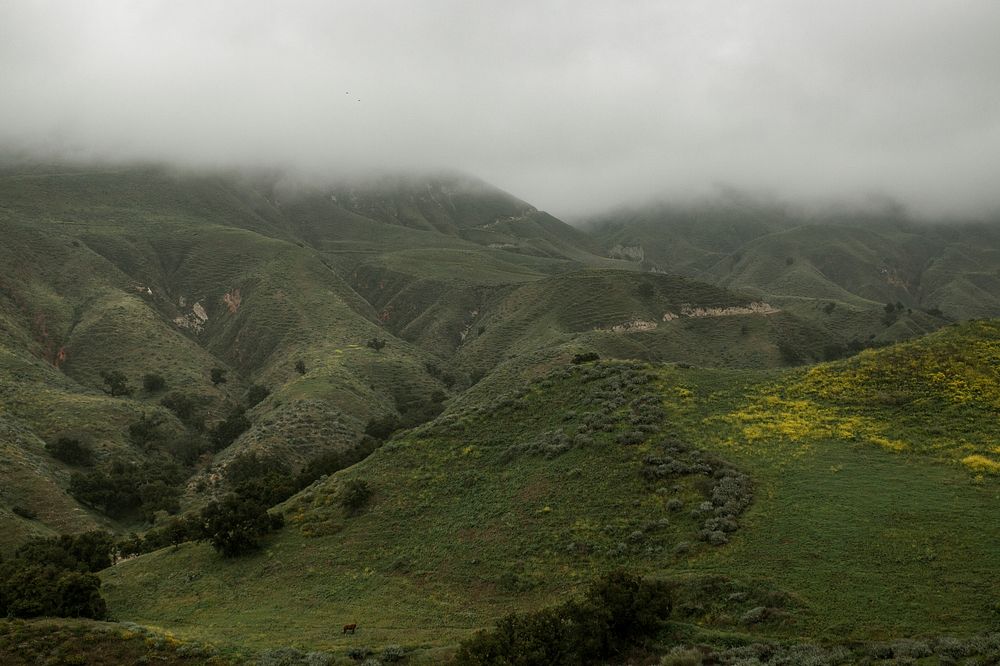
(350, 627)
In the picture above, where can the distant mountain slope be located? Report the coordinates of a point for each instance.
(634, 315)
(859, 259)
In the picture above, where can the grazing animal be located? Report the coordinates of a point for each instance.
(350, 627)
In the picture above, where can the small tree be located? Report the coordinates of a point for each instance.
(235, 525)
(256, 394)
(300, 366)
(226, 432)
(71, 452)
(356, 495)
(115, 383)
(376, 343)
(218, 376)
(153, 383)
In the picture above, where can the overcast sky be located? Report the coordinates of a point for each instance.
(572, 105)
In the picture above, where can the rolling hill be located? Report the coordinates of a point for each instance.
(550, 403)
(861, 526)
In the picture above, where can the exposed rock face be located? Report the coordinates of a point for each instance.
(232, 300)
(194, 320)
(632, 325)
(757, 307)
(627, 252)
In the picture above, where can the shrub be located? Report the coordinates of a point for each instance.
(153, 383)
(906, 647)
(186, 407)
(382, 427)
(375, 343)
(71, 452)
(145, 430)
(392, 653)
(24, 512)
(674, 505)
(334, 461)
(318, 658)
(586, 357)
(235, 525)
(218, 376)
(283, 656)
(115, 383)
(754, 615)
(300, 367)
(256, 394)
(359, 653)
(227, 431)
(618, 610)
(355, 495)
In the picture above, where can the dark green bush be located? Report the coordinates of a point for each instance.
(618, 611)
(355, 495)
(71, 452)
(587, 357)
(145, 431)
(115, 383)
(218, 376)
(227, 431)
(235, 525)
(187, 408)
(256, 394)
(153, 383)
(127, 489)
(54, 577)
(33, 590)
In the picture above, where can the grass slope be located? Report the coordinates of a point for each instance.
(485, 510)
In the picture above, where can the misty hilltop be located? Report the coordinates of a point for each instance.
(576, 111)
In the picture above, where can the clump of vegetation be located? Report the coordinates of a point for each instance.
(256, 394)
(235, 525)
(617, 612)
(218, 376)
(71, 451)
(586, 357)
(300, 367)
(729, 495)
(127, 489)
(153, 383)
(228, 430)
(187, 408)
(375, 343)
(145, 431)
(115, 383)
(55, 577)
(355, 495)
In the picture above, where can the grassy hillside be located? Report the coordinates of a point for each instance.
(633, 315)
(512, 501)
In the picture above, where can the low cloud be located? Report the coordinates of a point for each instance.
(573, 106)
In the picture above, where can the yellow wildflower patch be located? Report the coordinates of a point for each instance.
(978, 463)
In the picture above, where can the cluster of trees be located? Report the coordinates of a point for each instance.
(55, 577)
(236, 524)
(126, 490)
(617, 612)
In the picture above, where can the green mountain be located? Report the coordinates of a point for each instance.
(545, 404)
